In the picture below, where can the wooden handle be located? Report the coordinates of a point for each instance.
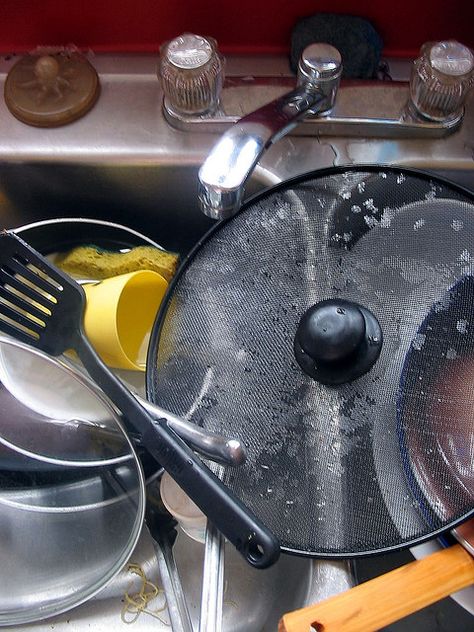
(385, 599)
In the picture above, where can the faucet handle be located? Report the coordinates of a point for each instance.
(320, 69)
(192, 74)
(441, 78)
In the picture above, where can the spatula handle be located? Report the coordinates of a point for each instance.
(388, 598)
(235, 521)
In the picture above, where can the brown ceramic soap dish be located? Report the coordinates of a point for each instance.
(51, 89)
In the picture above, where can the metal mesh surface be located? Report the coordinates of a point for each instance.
(330, 469)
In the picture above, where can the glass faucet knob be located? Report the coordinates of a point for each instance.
(192, 74)
(441, 78)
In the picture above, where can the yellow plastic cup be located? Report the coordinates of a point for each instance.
(119, 316)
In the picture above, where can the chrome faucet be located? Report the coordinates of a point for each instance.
(223, 175)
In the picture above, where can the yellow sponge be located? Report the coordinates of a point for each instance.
(94, 262)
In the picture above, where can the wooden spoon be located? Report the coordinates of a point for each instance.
(389, 597)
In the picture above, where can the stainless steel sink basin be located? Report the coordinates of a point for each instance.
(253, 600)
(123, 163)
(158, 201)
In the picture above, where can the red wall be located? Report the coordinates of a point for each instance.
(239, 26)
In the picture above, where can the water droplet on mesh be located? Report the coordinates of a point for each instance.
(370, 221)
(419, 341)
(370, 206)
(462, 325)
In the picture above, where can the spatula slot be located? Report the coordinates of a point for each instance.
(23, 294)
(18, 286)
(46, 285)
(14, 322)
(23, 305)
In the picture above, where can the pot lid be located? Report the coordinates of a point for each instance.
(326, 468)
(72, 492)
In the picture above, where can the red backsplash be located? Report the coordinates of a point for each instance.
(242, 26)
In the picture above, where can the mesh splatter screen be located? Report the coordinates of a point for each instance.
(371, 465)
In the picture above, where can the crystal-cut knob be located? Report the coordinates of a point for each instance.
(441, 78)
(192, 74)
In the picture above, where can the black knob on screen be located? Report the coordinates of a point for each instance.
(337, 341)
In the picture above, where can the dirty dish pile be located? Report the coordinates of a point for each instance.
(72, 486)
(51, 319)
(51, 292)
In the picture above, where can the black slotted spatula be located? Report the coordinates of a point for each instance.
(43, 307)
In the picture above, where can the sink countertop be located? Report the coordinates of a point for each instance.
(126, 125)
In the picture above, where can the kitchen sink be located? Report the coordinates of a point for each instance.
(159, 201)
(124, 163)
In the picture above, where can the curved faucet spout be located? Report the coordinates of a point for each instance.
(223, 175)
